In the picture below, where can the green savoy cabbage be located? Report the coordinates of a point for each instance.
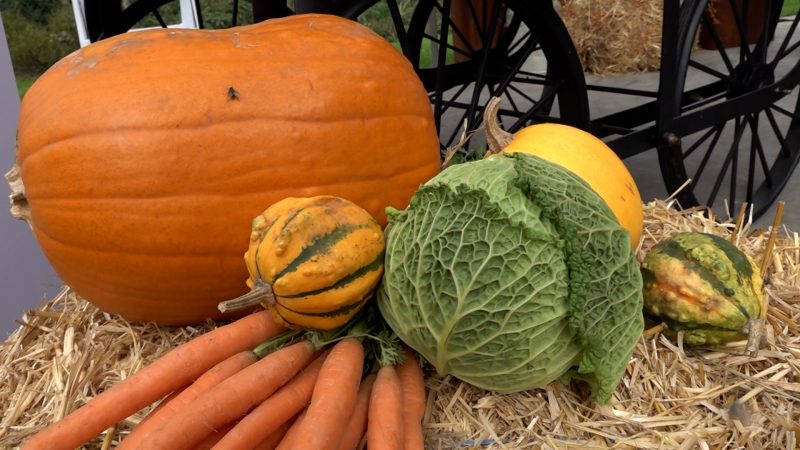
(510, 272)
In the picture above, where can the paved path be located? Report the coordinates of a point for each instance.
(644, 167)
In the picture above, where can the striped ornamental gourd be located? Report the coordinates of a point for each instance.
(702, 285)
(314, 262)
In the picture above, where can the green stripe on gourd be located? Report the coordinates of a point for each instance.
(376, 264)
(319, 246)
(702, 285)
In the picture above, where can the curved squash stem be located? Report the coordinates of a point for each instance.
(261, 292)
(496, 137)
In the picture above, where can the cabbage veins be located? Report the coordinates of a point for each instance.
(509, 272)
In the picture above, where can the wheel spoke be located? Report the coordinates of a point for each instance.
(704, 102)
(540, 76)
(441, 61)
(447, 45)
(782, 111)
(704, 68)
(741, 27)
(708, 153)
(160, 19)
(717, 42)
(523, 94)
(448, 23)
(517, 65)
(446, 104)
(235, 16)
(511, 101)
(757, 149)
(476, 20)
(521, 42)
(766, 35)
(791, 49)
(739, 127)
(547, 97)
(483, 62)
(688, 152)
(399, 26)
(782, 50)
(785, 151)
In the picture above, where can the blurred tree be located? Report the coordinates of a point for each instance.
(38, 11)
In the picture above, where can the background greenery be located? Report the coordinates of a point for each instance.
(40, 32)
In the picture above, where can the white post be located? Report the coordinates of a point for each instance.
(25, 274)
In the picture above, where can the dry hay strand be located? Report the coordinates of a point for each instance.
(671, 397)
(66, 352)
(615, 36)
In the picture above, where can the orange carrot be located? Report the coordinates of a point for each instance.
(412, 382)
(259, 423)
(211, 440)
(357, 425)
(172, 371)
(230, 399)
(291, 434)
(385, 415)
(162, 404)
(334, 398)
(275, 438)
(173, 406)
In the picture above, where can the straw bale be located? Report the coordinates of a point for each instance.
(615, 36)
(672, 396)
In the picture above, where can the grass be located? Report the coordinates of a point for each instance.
(790, 7)
(23, 83)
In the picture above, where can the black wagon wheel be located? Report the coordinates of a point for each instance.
(106, 18)
(733, 117)
(466, 51)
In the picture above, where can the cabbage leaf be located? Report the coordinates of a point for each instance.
(510, 272)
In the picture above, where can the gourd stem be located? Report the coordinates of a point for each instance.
(496, 137)
(260, 293)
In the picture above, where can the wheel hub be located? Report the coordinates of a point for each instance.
(748, 77)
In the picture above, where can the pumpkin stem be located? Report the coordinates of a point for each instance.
(19, 202)
(496, 137)
(261, 292)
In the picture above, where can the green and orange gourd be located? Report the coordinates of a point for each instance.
(314, 262)
(702, 285)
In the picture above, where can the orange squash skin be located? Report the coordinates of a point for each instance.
(145, 156)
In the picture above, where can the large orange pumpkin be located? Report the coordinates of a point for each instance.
(144, 157)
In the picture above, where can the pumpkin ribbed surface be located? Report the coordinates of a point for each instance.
(591, 159)
(702, 285)
(322, 258)
(145, 156)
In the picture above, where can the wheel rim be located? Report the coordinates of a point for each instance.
(749, 157)
(524, 65)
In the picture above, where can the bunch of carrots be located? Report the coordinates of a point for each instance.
(254, 385)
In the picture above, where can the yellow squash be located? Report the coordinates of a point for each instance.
(584, 155)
